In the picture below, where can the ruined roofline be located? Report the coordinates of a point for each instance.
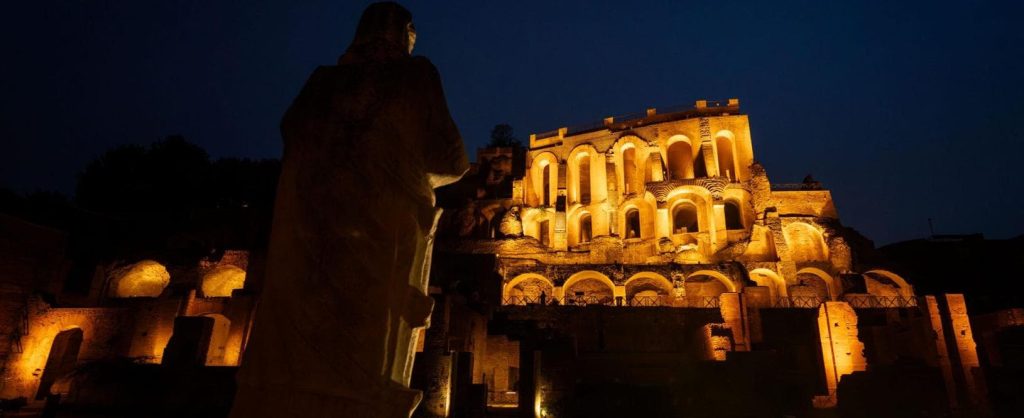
(700, 108)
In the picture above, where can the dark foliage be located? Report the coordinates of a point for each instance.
(133, 200)
(503, 136)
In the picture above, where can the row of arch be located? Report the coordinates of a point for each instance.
(681, 158)
(148, 278)
(809, 282)
(689, 210)
(594, 284)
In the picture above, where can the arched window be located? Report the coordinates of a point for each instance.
(633, 223)
(733, 219)
(699, 168)
(586, 230)
(584, 179)
(684, 219)
(629, 169)
(680, 160)
(726, 167)
(546, 190)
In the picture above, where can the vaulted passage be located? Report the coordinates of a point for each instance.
(633, 223)
(586, 229)
(733, 219)
(629, 170)
(684, 219)
(680, 160)
(726, 166)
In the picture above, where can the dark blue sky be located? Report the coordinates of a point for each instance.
(905, 109)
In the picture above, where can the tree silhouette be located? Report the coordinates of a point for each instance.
(170, 176)
(502, 136)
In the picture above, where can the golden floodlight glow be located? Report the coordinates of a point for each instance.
(221, 281)
(146, 278)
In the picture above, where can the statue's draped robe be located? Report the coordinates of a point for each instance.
(366, 142)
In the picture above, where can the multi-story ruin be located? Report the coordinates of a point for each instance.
(649, 257)
(643, 265)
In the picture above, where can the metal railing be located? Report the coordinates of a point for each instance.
(711, 302)
(648, 301)
(805, 302)
(589, 300)
(524, 300)
(880, 302)
(858, 301)
(502, 398)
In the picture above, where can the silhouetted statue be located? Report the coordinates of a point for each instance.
(365, 144)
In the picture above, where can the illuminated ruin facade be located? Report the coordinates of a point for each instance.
(678, 201)
(638, 252)
(146, 311)
(640, 266)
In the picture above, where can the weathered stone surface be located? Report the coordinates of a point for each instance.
(366, 142)
(511, 223)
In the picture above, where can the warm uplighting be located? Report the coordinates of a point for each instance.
(146, 278)
(223, 280)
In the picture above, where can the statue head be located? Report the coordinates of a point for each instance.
(385, 31)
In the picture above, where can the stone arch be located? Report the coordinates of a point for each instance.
(630, 159)
(679, 157)
(716, 284)
(593, 286)
(648, 285)
(828, 293)
(685, 217)
(583, 163)
(776, 285)
(742, 200)
(544, 176)
(733, 215)
(146, 278)
(725, 150)
(644, 217)
(805, 242)
(527, 287)
(579, 226)
(586, 228)
(535, 222)
(902, 288)
(222, 280)
(630, 170)
(695, 196)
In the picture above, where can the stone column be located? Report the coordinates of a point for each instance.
(732, 307)
(935, 317)
(842, 351)
(433, 371)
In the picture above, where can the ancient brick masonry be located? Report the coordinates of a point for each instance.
(670, 212)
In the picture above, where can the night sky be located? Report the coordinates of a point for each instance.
(906, 110)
